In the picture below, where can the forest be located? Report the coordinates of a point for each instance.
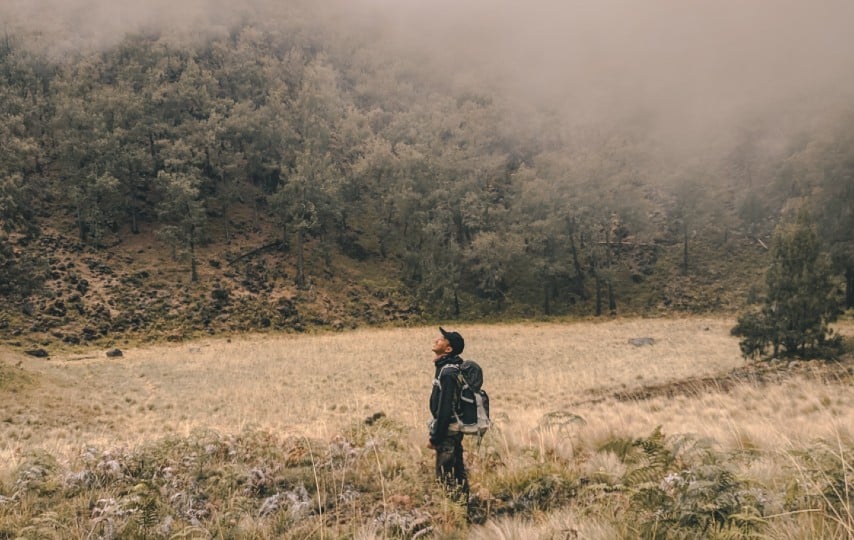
(289, 163)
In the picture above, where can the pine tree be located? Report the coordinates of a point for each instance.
(802, 299)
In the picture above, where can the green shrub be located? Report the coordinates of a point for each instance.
(802, 300)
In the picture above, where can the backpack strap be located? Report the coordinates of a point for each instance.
(456, 400)
(437, 380)
(461, 377)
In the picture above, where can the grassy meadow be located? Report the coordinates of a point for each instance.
(323, 436)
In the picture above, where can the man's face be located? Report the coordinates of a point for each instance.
(441, 346)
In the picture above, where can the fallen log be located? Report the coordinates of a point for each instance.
(255, 251)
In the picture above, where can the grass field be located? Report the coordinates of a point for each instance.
(588, 427)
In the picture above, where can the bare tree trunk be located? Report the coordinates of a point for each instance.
(612, 300)
(300, 278)
(81, 227)
(153, 151)
(849, 287)
(579, 271)
(134, 221)
(194, 274)
(456, 304)
(255, 219)
(546, 299)
(225, 218)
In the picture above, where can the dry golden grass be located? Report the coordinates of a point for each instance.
(314, 385)
(559, 390)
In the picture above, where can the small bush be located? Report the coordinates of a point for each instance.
(802, 300)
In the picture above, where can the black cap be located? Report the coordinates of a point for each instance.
(455, 340)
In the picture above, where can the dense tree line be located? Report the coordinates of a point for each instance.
(346, 147)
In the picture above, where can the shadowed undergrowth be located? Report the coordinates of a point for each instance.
(365, 483)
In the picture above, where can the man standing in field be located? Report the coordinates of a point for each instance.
(450, 468)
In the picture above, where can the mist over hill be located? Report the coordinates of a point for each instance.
(296, 164)
(688, 62)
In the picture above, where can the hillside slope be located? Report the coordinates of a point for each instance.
(135, 290)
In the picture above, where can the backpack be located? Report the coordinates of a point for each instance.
(471, 408)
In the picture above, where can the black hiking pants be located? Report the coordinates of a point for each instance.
(450, 467)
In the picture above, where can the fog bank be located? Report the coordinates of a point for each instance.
(695, 64)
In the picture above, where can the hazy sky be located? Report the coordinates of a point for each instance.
(688, 61)
(703, 58)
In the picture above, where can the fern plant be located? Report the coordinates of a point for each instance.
(146, 510)
(679, 488)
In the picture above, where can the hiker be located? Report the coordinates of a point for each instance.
(450, 468)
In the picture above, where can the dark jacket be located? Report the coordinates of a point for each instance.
(442, 397)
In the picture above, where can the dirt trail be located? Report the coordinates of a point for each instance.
(759, 374)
